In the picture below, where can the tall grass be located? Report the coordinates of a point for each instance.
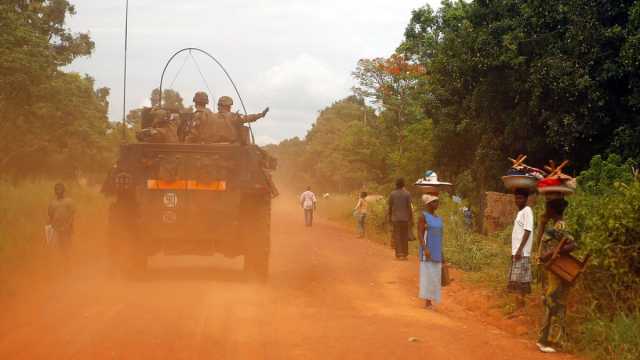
(23, 215)
(604, 338)
(463, 248)
(486, 259)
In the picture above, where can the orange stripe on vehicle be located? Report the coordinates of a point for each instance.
(166, 185)
(186, 185)
(212, 185)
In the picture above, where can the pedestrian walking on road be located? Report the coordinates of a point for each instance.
(401, 218)
(309, 204)
(61, 217)
(521, 243)
(430, 229)
(360, 212)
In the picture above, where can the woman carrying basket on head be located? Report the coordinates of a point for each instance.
(430, 230)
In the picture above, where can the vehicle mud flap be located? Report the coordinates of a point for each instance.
(257, 235)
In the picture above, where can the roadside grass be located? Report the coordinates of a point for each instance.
(23, 215)
(617, 338)
(463, 248)
(486, 260)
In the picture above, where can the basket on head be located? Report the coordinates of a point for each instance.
(430, 184)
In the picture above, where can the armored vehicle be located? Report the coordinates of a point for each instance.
(191, 199)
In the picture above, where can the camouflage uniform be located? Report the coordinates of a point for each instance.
(227, 126)
(197, 128)
(163, 129)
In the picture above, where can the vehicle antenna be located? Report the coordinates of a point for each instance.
(124, 93)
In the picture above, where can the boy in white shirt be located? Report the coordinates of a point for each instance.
(521, 244)
(308, 202)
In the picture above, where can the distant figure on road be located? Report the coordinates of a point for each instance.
(401, 218)
(309, 203)
(360, 212)
(521, 241)
(431, 258)
(61, 215)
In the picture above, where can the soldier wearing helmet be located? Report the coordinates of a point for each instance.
(201, 99)
(228, 126)
(195, 129)
(163, 128)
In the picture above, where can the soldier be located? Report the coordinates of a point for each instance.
(227, 126)
(163, 129)
(194, 131)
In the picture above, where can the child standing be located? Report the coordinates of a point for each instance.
(521, 243)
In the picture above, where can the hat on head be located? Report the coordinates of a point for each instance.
(427, 199)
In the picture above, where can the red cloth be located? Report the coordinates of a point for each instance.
(549, 182)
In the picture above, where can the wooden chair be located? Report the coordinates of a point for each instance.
(566, 266)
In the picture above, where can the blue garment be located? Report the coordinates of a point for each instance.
(434, 236)
(430, 281)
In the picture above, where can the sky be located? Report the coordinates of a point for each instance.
(294, 56)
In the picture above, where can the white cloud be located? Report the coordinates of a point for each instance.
(301, 83)
(265, 140)
(295, 56)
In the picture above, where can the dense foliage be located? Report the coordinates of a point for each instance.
(552, 79)
(478, 81)
(44, 110)
(350, 147)
(605, 217)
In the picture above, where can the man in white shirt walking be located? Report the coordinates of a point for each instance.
(308, 202)
(521, 243)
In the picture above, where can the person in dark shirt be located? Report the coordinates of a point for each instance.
(401, 218)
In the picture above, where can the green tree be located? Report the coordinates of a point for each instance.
(171, 99)
(552, 79)
(43, 109)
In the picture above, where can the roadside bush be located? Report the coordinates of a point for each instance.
(617, 338)
(608, 228)
(463, 248)
(602, 175)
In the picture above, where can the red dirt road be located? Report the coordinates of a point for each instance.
(330, 296)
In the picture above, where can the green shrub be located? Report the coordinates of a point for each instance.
(608, 228)
(602, 174)
(617, 338)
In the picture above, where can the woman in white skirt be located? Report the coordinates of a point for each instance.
(430, 231)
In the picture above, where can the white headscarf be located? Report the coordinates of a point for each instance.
(426, 198)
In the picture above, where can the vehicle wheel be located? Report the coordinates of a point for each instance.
(257, 237)
(126, 259)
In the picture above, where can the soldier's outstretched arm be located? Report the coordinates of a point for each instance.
(253, 117)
